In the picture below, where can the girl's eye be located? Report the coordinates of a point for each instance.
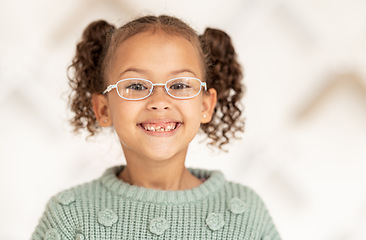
(137, 87)
(179, 86)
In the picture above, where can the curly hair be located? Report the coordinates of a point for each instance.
(224, 73)
(96, 51)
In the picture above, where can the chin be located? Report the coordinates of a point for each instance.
(161, 157)
(161, 154)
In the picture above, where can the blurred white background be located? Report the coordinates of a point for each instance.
(304, 148)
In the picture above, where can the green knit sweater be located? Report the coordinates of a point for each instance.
(108, 208)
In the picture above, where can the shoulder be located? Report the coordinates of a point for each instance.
(215, 181)
(70, 195)
(86, 190)
(235, 196)
(238, 193)
(61, 213)
(60, 203)
(243, 199)
(231, 189)
(242, 191)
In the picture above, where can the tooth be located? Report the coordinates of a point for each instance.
(165, 128)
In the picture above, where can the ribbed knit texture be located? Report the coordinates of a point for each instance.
(108, 208)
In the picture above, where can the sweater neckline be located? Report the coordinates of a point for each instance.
(214, 181)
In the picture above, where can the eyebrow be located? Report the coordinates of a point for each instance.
(183, 71)
(136, 70)
(144, 72)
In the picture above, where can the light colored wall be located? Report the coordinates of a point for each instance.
(304, 146)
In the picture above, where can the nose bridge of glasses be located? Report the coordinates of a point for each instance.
(159, 84)
(163, 85)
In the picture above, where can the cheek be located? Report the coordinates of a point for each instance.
(124, 117)
(193, 111)
(123, 113)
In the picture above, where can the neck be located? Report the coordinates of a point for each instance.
(167, 177)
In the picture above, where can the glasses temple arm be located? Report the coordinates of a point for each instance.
(109, 88)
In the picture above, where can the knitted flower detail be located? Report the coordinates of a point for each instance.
(236, 206)
(52, 234)
(79, 236)
(158, 225)
(215, 221)
(65, 198)
(107, 217)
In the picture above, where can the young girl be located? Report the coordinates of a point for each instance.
(157, 83)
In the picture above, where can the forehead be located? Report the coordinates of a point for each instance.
(158, 52)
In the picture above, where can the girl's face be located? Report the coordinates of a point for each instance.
(157, 57)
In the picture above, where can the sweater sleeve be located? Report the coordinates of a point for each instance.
(269, 230)
(55, 223)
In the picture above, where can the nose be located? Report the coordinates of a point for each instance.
(159, 99)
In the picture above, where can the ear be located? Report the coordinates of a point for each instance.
(208, 105)
(101, 110)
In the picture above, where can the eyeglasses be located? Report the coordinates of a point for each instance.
(138, 88)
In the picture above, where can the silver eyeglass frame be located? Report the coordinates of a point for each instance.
(114, 86)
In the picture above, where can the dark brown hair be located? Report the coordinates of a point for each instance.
(96, 50)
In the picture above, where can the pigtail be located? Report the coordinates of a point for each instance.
(87, 78)
(224, 73)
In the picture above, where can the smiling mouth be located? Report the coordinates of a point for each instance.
(160, 127)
